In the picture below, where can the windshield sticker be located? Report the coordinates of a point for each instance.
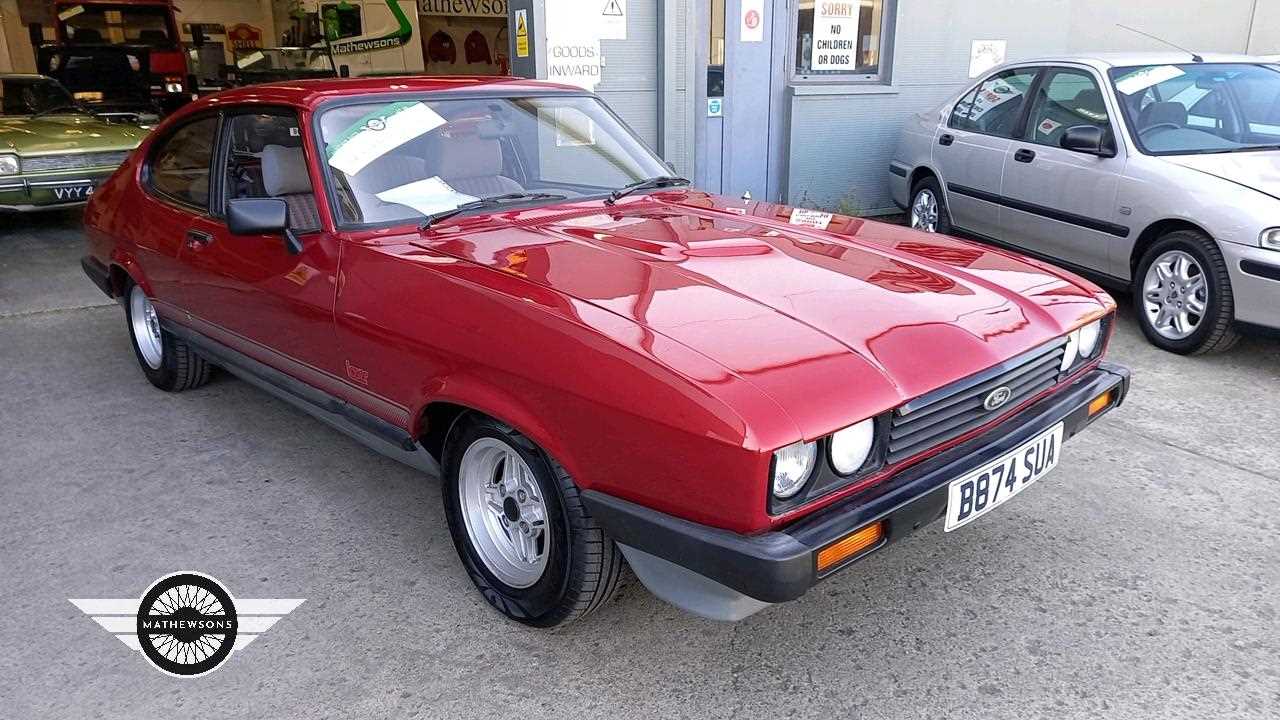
(70, 12)
(250, 59)
(1143, 78)
(992, 95)
(380, 132)
(428, 196)
(1047, 126)
(574, 128)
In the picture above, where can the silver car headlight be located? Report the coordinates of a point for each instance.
(1083, 343)
(1270, 239)
(9, 165)
(851, 446)
(792, 466)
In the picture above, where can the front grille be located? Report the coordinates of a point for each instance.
(952, 411)
(46, 163)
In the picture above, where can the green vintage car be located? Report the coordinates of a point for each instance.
(53, 152)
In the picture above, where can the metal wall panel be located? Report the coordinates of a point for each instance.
(629, 80)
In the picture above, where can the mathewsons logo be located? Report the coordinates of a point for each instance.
(186, 624)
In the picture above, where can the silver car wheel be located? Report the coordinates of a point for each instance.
(146, 328)
(924, 211)
(1175, 295)
(504, 512)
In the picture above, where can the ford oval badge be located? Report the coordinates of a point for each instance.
(997, 398)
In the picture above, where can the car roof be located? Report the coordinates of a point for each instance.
(309, 93)
(1128, 59)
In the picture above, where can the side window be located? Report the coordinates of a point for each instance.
(1066, 98)
(267, 161)
(960, 113)
(179, 167)
(994, 107)
(341, 21)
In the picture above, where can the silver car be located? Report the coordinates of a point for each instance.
(1156, 172)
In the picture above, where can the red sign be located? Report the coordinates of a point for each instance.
(244, 36)
(752, 20)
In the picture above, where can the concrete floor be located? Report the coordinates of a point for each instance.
(1137, 581)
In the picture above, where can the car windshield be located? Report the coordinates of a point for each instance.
(34, 96)
(406, 159)
(1201, 107)
(116, 25)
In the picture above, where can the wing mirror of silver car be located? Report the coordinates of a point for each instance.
(1088, 139)
(262, 216)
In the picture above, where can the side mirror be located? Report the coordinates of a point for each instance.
(1087, 139)
(262, 216)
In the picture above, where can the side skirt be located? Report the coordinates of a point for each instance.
(371, 431)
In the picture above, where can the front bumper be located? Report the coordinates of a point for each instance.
(1255, 283)
(725, 575)
(22, 193)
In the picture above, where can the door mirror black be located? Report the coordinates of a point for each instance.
(1087, 139)
(262, 216)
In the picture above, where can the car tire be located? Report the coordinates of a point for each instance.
(1182, 295)
(927, 202)
(169, 363)
(580, 568)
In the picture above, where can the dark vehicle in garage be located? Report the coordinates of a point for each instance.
(109, 80)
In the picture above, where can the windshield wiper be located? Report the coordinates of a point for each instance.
(489, 202)
(660, 181)
(55, 108)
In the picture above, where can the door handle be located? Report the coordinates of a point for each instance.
(946, 139)
(1024, 155)
(198, 238)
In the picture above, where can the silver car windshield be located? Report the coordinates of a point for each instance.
(1200, 107)
(406, 159)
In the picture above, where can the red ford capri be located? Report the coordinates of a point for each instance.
(496, 282)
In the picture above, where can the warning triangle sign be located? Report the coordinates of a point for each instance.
(520, 26)
(612, 9)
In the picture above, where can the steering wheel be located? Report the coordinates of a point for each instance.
(1157, 126)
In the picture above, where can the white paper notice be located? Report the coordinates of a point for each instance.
(752, 29)
(811, 218)
(380, 133)
(573, 46)
(835, 34)
(986, 54)
(250, 59)
(613, 19)
(426, 196)
(70, 12)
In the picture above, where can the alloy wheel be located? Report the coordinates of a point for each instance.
(504, 512)
(924, 211)
(1175, 295)
(146, 328)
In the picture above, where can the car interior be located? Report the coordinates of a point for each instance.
(267, 161)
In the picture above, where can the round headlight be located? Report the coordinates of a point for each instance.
(1089, 335)
(851, 446)
(792, 466)
(9, 165)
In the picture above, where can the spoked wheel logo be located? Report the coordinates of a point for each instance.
(187, 624)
